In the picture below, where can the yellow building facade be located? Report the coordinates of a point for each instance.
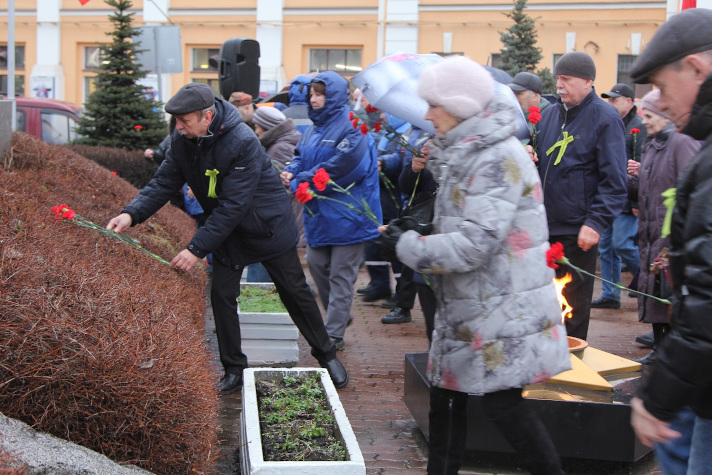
(56, 40)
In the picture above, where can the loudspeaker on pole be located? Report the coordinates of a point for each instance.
(239, 68)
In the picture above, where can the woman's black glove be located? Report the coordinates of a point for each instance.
(388, 240)
(409, 223)
(396, 227)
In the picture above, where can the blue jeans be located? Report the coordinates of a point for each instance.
(257, 273)
(617, 245)
(689, 454)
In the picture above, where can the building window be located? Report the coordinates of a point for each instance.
(92, 58)
(495, 60)
(213, 83)
(19, 57)
(554, 58)
(342, 61)
(19, 84)
(205, 60)
(89, 87)
(19, 66)
(625, 63)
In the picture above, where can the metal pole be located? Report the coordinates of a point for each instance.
(156, 49)
(11, 59)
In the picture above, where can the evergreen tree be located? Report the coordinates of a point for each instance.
(520, 52)
(548, 81)
(118, 113)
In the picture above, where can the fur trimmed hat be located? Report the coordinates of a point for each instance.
(458, 84)
(577, 64)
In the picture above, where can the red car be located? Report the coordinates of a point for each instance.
(49, 120)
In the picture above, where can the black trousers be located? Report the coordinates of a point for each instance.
(406, 288)
(428, 304)
(517, 422)
(578, 292)
(291, 284)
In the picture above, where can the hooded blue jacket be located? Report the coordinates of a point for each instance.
(298, 109)
(588, 186)
(350, 160)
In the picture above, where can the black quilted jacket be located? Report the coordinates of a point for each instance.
(683, 371)
(251, 219)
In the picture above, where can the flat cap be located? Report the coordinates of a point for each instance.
(619, 90)
(192, 97)
(686, 33)
(577, 64)
(525, 81)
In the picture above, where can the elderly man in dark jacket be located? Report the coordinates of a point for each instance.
(582, 165)
(249, 220)
(678, 60)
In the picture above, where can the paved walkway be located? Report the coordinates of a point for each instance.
(387, 434)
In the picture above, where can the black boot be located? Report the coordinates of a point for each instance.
(524, 431)
(448, 431)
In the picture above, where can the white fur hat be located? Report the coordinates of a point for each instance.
(458, 84)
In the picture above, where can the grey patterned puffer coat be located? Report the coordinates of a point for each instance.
(498, 322)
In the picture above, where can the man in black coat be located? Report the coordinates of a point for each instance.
(676, 399)
(249, 219)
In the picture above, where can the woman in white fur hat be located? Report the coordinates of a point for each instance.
(498, 323)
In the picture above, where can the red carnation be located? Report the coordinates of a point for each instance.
(321, 179)
(377, 126)
(634, 131)
(555, 254)
(138, 127)
(303, 193)
(351, 115)
(534, 115)
(364, 129)
(58, 210)
(68, 214)
(114, 173)
(354, 123)
(370, 109)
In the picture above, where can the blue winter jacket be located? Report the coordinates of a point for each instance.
(350, 160)
(588, 186)
(298, 109)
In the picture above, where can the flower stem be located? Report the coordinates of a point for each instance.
(618, 286)
(412, 195)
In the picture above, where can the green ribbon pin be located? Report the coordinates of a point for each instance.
(563, 143)
(213, 174)
(669, 203)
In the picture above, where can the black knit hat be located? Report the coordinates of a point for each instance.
(192, 97)
(686, 33)
(577, 64)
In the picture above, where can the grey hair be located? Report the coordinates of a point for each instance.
(211, 109)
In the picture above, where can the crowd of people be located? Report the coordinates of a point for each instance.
(463, 219)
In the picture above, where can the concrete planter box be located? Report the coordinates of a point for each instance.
(268, 339)
(251, 438)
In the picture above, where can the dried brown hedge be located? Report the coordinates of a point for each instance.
(128, 164)
(101, 345)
